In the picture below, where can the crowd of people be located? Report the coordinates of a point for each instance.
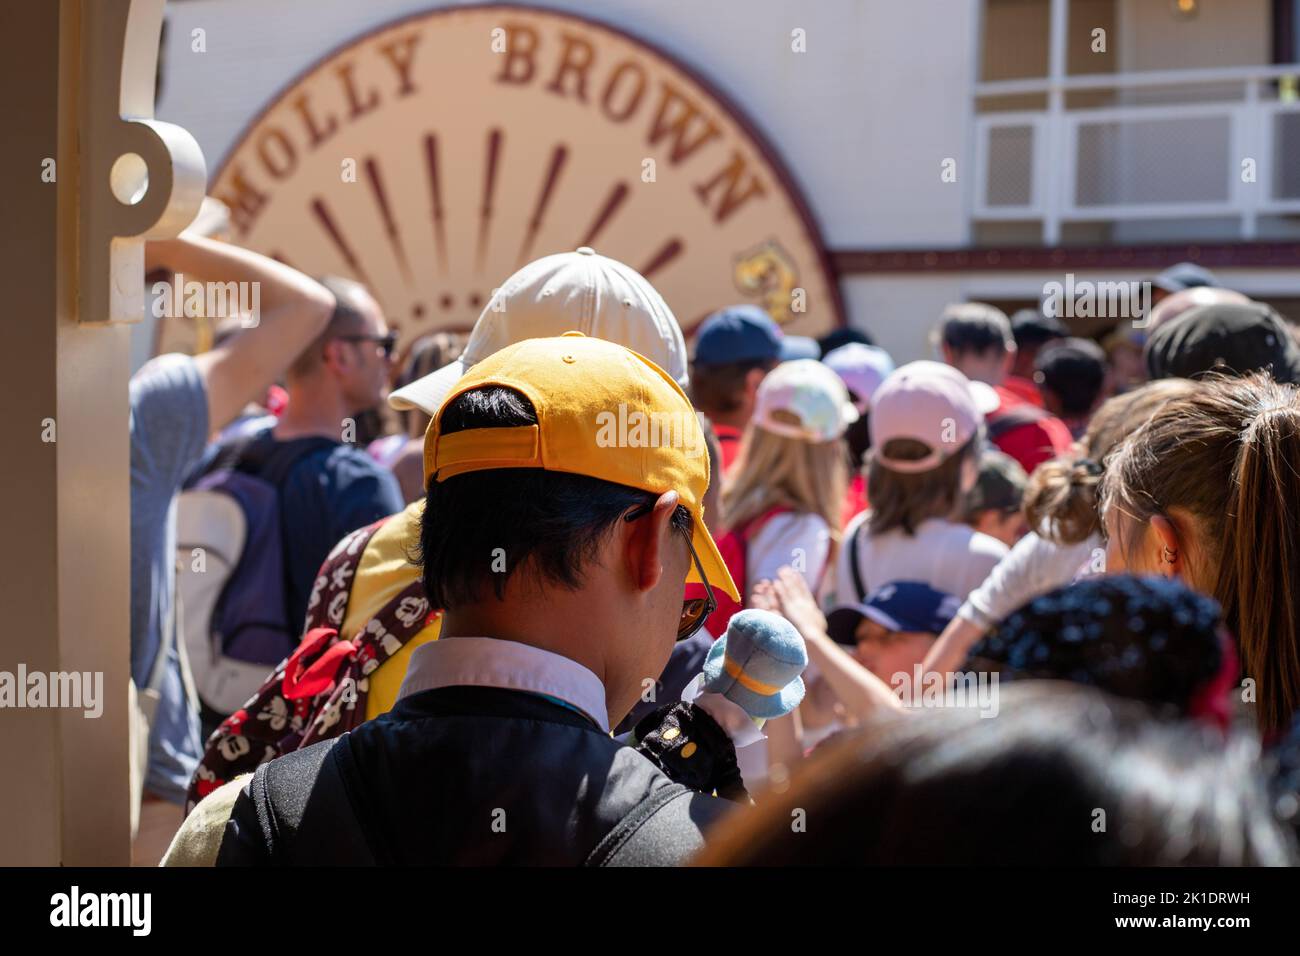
(469, 624)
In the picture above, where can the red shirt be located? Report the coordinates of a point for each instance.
(1041, 438)
(1023, 389)
(855, 499)
(728, 442)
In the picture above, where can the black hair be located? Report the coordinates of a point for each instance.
(1032, 330)
(1074, 370)
(1152, 639)
(975, 327)
(843, 335)
(1061, 776)
(484, 526)
(858, 437)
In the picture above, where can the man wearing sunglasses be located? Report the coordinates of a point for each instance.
(561, 562)
(326, 484)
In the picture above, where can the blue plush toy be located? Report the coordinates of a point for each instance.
(757, 664)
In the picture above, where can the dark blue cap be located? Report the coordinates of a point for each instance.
(907, 606)
(746, 333)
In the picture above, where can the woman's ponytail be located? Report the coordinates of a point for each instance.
(1061, 500)
(1260, 571)
(1224, 464)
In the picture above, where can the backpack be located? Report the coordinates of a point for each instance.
(231, 569)
(734, 549)
(319, 691)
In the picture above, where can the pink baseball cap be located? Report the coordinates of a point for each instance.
(928, 402)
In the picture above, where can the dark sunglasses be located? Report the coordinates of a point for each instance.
(387, 343)
(695, 611)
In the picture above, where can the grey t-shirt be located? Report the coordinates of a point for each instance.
(169, 428)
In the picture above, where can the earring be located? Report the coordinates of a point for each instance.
(1170, 556)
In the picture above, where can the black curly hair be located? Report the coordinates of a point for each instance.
(1150, 639)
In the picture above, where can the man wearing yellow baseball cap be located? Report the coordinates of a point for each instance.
(563, 518)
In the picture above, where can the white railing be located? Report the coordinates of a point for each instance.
(1235, 155)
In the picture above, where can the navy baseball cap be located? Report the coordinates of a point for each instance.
(1184, 275)
(908, 606)
(746, 333)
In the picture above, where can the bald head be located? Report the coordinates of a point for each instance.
(355, 313)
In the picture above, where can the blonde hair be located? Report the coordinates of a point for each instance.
(772, 470)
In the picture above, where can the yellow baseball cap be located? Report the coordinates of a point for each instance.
(602, 411)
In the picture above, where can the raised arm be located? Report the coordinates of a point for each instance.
(293, 310)
(860, 691)
(949, 651)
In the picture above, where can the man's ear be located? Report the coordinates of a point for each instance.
(334, 355)
(646, 540)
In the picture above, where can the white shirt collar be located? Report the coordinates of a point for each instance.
(492, 662)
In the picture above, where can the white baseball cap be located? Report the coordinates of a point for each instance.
(569, 292)
(804, 399)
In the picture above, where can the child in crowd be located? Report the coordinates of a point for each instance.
(993, 506)
(925, 437)
(782, 499)
(1074, 379)
(862, 368)
(894, 630)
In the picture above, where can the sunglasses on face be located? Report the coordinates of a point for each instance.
(387, 343)
(695, 611)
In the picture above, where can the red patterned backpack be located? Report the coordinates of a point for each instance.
(320, 690)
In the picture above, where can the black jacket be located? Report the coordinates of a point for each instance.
(473, 776)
